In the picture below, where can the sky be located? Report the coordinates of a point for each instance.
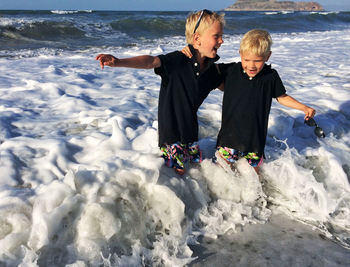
(158, 5)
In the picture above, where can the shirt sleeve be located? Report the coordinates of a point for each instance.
(279, 88)
(224, 69)
(168, 62)
(160, 70)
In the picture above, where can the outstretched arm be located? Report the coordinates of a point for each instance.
(139, 62)
(290, 102)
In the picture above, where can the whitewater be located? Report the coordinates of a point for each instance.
(82, 182)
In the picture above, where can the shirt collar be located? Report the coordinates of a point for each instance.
(194, 59)
(264, 70)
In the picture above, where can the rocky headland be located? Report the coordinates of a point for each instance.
(273, 5)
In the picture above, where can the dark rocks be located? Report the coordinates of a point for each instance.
(273, 5)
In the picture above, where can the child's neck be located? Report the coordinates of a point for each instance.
(200, 59)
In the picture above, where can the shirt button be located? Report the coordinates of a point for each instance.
(196, 64)
(197, 73)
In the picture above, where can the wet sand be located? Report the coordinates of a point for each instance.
(280, 242)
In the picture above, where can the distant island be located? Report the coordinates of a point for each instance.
(273, 5)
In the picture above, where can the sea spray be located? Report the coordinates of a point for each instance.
(15, 222)
(312, 188)
(235, 198)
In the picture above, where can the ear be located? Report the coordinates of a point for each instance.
(196, 39)
(241, 56)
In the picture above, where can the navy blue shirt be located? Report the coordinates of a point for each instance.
(246, 107)
(183, 89)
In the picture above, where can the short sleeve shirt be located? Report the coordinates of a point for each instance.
(246, 107)
(183, 90)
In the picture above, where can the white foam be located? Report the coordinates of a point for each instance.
(81, 177)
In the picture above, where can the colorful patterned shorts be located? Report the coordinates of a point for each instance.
(231, 155)
(176, 155)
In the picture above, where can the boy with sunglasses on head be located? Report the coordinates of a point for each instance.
(185, 84)
(249, 87)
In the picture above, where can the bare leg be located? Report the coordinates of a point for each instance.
(256, 170)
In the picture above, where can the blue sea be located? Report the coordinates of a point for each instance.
(79, 30)
(82, 182)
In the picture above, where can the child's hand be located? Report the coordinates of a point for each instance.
(107, 60)
(186, 50)
(309, 112)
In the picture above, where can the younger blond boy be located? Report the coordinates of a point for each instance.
(249, 87)
(185, 84)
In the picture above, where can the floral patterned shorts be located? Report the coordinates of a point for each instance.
(176, 155)
(231, 155)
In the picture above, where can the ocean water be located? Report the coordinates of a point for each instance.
(81, 178)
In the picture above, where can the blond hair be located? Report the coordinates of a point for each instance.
(206, 21)
(256, 41)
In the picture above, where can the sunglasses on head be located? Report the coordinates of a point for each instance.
(204, 11)
(318, 130)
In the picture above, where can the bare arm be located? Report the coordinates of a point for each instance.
(221, 86)
(290, 102)
(139, 62)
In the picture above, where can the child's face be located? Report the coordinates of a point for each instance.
(210, 40)
(252, 64)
